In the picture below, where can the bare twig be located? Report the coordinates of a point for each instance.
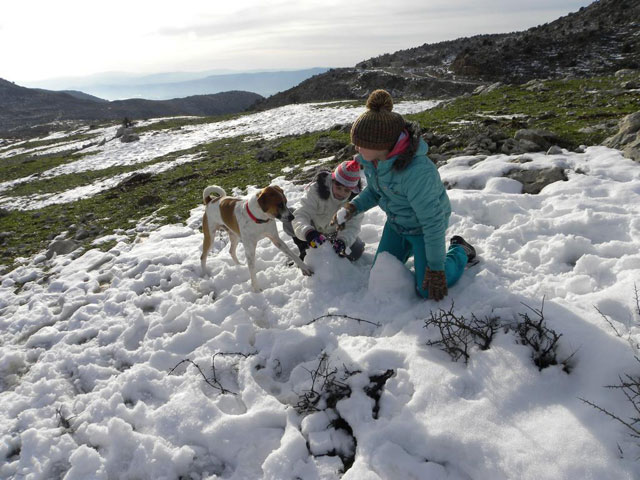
(329, 315)
(636, 432)
(542, 339)
(324, 386)
(63, 421)
(637, 299)
(608, 321)
(458, 334)
(215, 384)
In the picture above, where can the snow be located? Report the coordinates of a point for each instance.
(269, 124)
(94, 382)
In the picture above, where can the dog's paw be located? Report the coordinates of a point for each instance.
(306, 271)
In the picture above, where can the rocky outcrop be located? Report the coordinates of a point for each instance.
(596, 40)
(628, 137)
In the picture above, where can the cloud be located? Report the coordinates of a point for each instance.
(146, 36)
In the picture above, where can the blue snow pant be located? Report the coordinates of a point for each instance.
(403, 246)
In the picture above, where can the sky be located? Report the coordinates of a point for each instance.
(43, 39)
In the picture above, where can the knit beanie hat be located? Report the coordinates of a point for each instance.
(348, 174)
(378, 128)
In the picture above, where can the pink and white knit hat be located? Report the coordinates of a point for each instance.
(348, 174)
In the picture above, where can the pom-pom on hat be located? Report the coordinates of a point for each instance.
(348, 174)
(378, 128)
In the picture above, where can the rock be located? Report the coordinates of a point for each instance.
(3, 212)
(328, 145)
(530, 146)
(346, 153)
(511, 147)
(533, 181)
(268, 155)
(61, 247)
(625, 72)
(135, 180)
(542, 138)
(4, 236)
(522, 159)
(129, 137)
(434, 140)
(536, 86)
(484, 89)
(529, 139)
(482, 144)
(120, 132)
(148, 200)
(554, 150)
(438, 159)
(628, 137)
(631, 85)
(81, 234)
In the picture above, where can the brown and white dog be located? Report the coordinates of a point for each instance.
(246, 220)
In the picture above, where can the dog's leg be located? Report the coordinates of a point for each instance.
(233, 243)
(277, 241)
(207, 242)
(250, 253)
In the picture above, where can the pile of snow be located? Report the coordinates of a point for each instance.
(88, 342)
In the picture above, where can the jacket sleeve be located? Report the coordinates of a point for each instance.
(424, 189)
(351, 230)
(366, 199)
(302, 222)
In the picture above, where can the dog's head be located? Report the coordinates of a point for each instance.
(273, 202)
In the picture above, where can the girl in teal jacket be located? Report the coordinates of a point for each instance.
(405, 183)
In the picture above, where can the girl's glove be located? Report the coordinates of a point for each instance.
(315, 238)
(349, 210)
(435, 282)
(339, 247)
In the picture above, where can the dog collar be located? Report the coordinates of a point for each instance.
(252, 216)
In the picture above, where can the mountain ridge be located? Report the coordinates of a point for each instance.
(25, 109)
(598, 39)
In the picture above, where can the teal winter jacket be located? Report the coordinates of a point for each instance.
(414, 199)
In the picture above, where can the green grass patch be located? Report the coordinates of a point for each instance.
(228, 163)
(24, 165)
(573, 109)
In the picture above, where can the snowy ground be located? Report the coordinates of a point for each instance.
(88, 341)
(277, 122)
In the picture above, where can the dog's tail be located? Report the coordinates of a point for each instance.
(206, 194)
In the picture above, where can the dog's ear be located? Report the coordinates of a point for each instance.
(270, 198)
(265, 199)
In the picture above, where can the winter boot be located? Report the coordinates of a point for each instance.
(468, 249)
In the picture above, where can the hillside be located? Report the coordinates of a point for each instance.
(596, 40)
(120, 360)
(22, 108)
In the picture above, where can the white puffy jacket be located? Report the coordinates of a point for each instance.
(318, 207)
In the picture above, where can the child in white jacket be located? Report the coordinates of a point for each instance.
(329, 191)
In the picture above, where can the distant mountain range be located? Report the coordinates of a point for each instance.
(598, 39)
(164, 86)
(23, 110)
